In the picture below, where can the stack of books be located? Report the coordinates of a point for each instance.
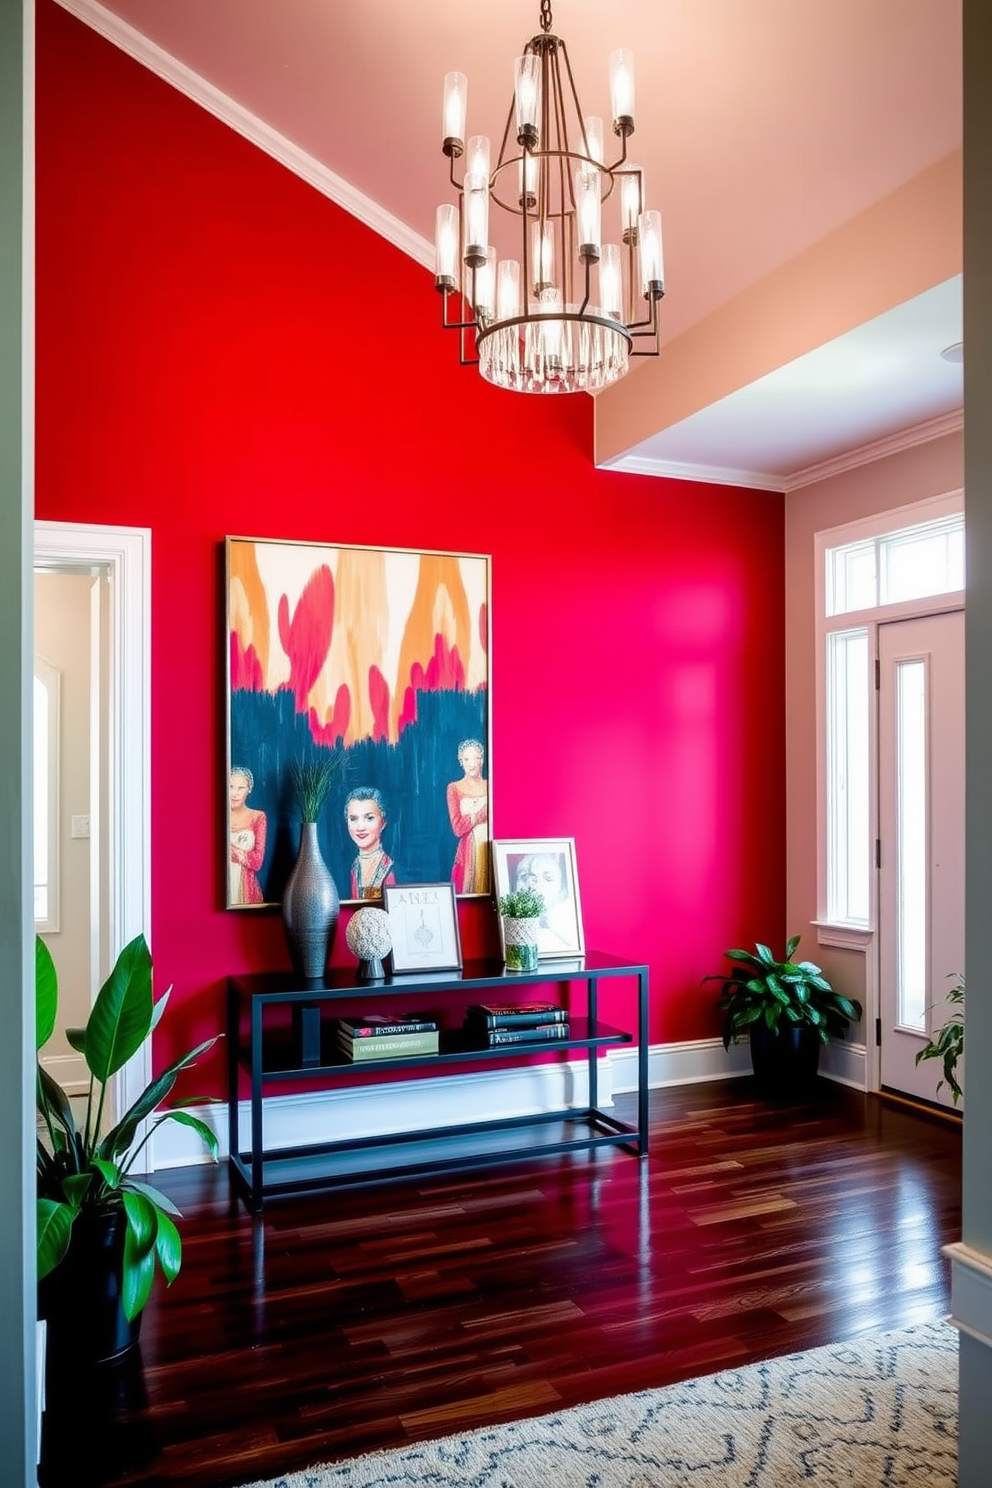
(362, 1036)
(492, 1024)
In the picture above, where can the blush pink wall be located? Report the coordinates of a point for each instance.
(888, 485)
(203, 370)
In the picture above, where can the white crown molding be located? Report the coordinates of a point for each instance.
(760, 480)
(878, 449)
(250, 127)
(715, 475)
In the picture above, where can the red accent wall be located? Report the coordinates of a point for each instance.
(222, 350)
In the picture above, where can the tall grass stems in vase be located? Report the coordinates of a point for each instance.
(312, 780)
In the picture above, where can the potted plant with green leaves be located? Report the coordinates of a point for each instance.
(102, 1230)
(787, 1009)
(311, 903)
(520, 912)
(947, 1043)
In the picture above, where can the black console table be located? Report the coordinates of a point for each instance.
(271, 1053)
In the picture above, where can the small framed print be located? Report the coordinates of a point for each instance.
(547, 866)
(424, 921)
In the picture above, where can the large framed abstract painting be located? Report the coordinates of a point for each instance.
(378, 658)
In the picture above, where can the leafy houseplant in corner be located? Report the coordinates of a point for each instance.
(787, 1009)
(101, 1230)
(311, 904)
(947, 1044)
(520, 911)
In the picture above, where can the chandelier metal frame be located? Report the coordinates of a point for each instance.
(531, 323)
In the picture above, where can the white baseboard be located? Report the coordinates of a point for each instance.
(494, 1095)
(401, 1105)
(452, 1099)
(706, 1059)
(70, 1071)
(449, 1100)
(680, 1064)
(845, 1063)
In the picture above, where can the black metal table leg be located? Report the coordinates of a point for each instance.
(593, 1058)
(257, 1151)
(642, 1061)
(233, 1033)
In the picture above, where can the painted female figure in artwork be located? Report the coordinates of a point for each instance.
(365, 813)
(247, 846)
(468, 810)
(544, 874)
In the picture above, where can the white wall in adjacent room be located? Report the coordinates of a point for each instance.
(63, 605)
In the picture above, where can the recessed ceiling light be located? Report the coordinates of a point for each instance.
(954, 353)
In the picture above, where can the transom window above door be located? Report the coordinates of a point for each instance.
(909, 563)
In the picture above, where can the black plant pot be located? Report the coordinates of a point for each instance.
(785, 1062)
(81, 1299)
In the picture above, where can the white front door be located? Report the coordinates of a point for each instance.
(921, 841)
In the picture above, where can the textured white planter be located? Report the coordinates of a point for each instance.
(520, 943)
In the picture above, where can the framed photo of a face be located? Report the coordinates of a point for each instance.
(424, 922)
(378, 657)
(547, 866)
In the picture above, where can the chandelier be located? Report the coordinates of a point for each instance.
(546, 305)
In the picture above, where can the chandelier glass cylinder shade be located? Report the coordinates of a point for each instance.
(546, 305)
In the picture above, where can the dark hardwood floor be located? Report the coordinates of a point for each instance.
(337, 1324)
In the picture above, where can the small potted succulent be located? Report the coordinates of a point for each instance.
(947, 1044)
(520, 912)
(787, 1009)
(102, 1230)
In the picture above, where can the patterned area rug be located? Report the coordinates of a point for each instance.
(879, 1410)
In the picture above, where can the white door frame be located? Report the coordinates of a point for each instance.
(842, 1059)
(125, 553)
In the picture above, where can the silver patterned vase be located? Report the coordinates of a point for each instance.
(310, 907)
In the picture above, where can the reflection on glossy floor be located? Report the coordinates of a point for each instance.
(336, 1324)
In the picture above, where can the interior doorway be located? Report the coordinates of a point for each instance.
(70, 769)
(114, 565)
(921, 840)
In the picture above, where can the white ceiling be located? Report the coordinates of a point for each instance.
(855, 393)
(762, 126)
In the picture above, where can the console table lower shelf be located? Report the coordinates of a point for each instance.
(374, 1160)
(264, 1052)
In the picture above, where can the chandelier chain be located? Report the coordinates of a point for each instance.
(546, 22)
